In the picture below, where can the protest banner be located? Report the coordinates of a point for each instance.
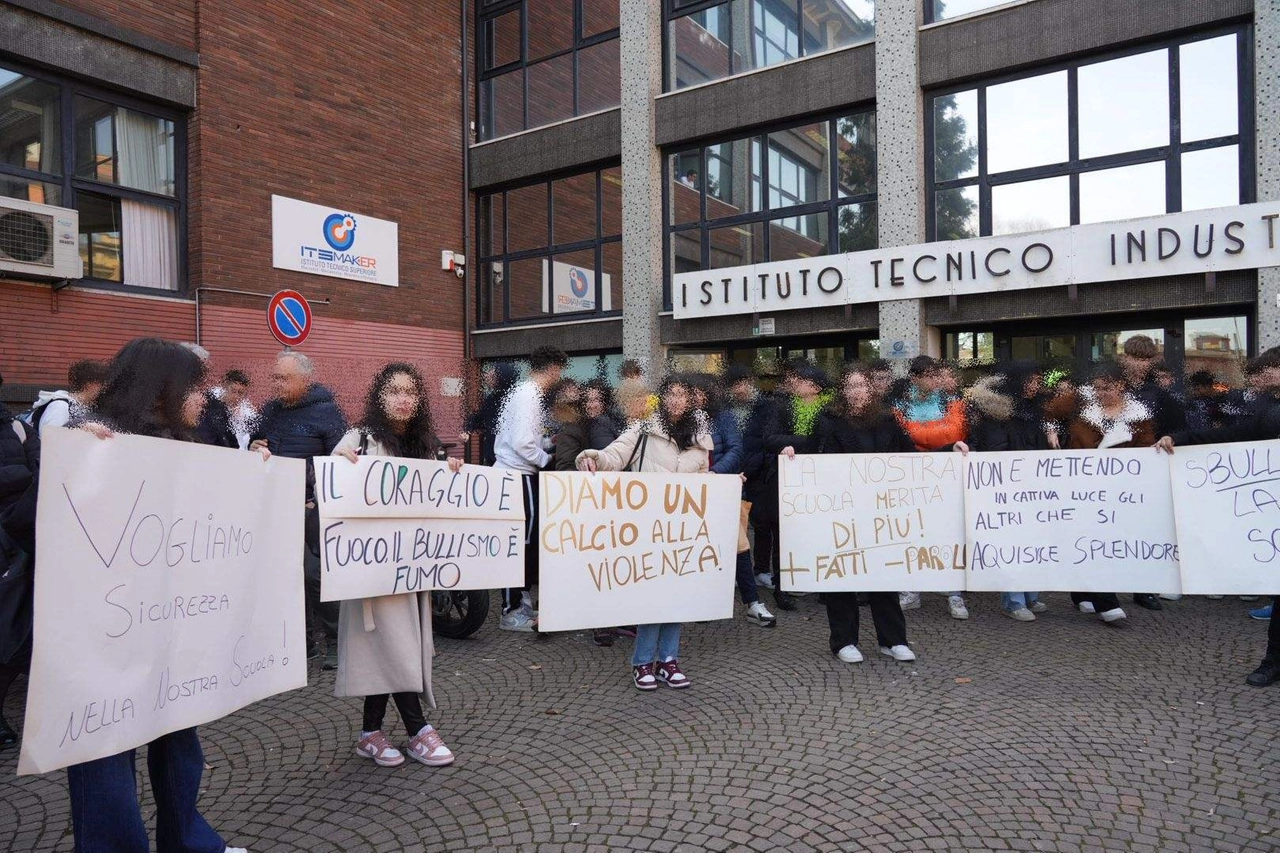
(1226, 500)
(168, 591)
(390, 526)
(871, 522)
(1071, 520)
(634, 549)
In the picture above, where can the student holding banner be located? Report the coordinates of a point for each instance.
(856, 422)
(152, 389)
(674, 440)
(385, 644)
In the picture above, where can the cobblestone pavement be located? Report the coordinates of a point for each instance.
(1062, 734)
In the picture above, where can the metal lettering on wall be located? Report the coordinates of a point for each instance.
(1229, 238)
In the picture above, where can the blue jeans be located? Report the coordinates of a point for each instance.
(104, 800)
(1015, 600)
(747, 579)
(656, 643)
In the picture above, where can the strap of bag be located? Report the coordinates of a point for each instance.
(19, 430)
(639, 447)
(364, 443)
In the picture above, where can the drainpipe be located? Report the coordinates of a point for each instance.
(466, 189)
(199, 290)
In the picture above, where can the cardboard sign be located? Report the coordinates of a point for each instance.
(1226, 499)
(168, 591)
(871, 522)
(390, 526)
(636, 549)
(1070, 520)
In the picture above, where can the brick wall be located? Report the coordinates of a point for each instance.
(172, 21)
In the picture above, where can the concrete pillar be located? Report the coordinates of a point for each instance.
(900, 178)
(642, 175)
(1266, 110)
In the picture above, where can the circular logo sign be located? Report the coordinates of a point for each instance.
(289, 317)
(340, 230)
(579, 283)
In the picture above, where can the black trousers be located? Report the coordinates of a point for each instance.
(762, 554)
(1101, 601)
(1273, 631)
(408, 704)
(529, 486)
(321, 615)
(886, 615)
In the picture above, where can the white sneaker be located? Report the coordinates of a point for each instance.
(760, 615)
(1038, 607)
(956, 605)
(909, 600)
(236, 850)
(1086, 607)
(1171, 596)
(1250, 597)
(898, 653)
(764, 581)
(518, 620)
(1113, 615)
(1022, 614)
(850, 654)
(1215, 597)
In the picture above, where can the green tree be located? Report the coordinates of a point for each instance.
(953, 155)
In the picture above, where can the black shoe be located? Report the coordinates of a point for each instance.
(8, 737)
(1268, 672)
(604, 636)
(313, 651)
(1147, 600)
(330, 658)
(784, 600)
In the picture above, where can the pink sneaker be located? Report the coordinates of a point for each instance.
(376, 746)
(642, 677)
(427, 747)
(669, 673)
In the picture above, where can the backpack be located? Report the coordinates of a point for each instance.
(30, 418)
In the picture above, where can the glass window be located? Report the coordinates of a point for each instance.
(128, 242)
(115, 145)
(1211, 178)
(955, 136)
(686, 251)
(970, 346)
(100, 237)
(940, 10)
(956, 213)
(611, 202)
(1108, 344)
(856, 147)
(798, 160)
(1031, 206)
(831, 24)
(1124, 193)
(40, 192)
(502, 105)
(684, 202)
(857, 224)
(1027, 122)
(793, 237)
(30, 127)
(571, 288)
(550, 24)
(502, 39)
(720, 172)
(490, 225)
(550, 90)
(1219, 345)
(574, 206)
(526, 287)
(611, 281)
(1124, 104)
(599, 16)
(775, 32)
(599, 86)
(1209, 79)
(736, 245)
(527, 218)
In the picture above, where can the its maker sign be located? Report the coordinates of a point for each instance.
(1229, 238)
(335, 242)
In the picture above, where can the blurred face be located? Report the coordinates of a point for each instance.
(192, 407)
(677, 401)
(234, 394)
(636, 407)
(1136, 370)
(699, 398)
(1032, 386)
(1164, 379)
(742, 391)
(1267, 379)
(547, 377)
(90, 393)
(594, 403)
(569, 394)
(928, 382)
(805, 389)
(288, 381)
(881, 381)
(400, 400)
(857, 392)
(1110, 394)
(948, 381)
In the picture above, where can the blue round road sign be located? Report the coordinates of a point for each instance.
(289, 317)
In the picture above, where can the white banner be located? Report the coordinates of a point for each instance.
(331, 241)
(636, 549)
(1226, 498)
(1199, 241)
(391, 526)
(573, 288)
(168, 592)
(1070, 520)
(873, 522)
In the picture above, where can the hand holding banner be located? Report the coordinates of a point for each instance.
(391, 526)
(168, 591)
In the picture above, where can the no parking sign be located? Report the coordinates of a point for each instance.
(289, 317)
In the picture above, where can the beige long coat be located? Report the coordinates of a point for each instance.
(660, 452)
(385, 643)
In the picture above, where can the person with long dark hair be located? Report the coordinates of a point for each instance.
(152, 388)
(856, 421)
(673, 440)
(385, 645)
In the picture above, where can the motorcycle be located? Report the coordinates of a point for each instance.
(457, 615)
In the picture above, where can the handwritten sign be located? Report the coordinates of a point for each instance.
(627, 549)
(872, 522)
(168, 592)
(1226, 499)
(1070, 520)
(390, 526)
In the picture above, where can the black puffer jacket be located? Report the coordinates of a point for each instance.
(313, 427)
(215, 424)
(19, 459)
(881, 434)
(998, 421)
(1262, 423)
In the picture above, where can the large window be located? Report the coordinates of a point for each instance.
(711, 40)
(116, 162)
(543, 61)
(942, 10)
(795, 192)
(1147, 132)
(551, 250)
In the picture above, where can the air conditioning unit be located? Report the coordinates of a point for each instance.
(39, 240)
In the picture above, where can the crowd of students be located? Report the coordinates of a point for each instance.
(725, 425)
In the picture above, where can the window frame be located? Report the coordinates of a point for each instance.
(1074, 166)
(549, 251)
(831, 206)
(68, 89)
(488, 11)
